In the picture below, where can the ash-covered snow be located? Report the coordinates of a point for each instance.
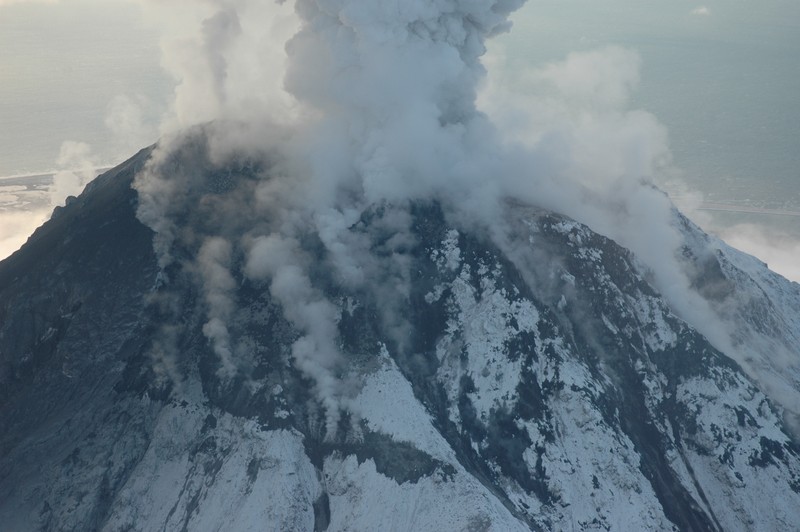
(740, 443)
(387, 403)
(363, 499)
(484, 318)
(200, 478)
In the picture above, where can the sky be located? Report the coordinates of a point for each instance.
(84, 84)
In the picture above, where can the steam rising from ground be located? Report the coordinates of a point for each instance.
(383, 103)
(214, 260)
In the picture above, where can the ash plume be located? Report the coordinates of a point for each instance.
(384, 98)
(347, 105)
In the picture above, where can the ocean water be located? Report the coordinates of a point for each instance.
(61, 67)
(734, 119)
(726, 85)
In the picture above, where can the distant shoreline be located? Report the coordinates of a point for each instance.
(737, 208)
(39, 176)
(28, 176)
(725, 207)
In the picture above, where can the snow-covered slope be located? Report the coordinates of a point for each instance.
(539, 385)
(759, 309)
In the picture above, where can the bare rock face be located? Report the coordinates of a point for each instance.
(541, 384)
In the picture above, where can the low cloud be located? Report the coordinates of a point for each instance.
(16, 227)
(780, 250)
(701, 11)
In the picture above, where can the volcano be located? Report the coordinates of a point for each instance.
(358, 303)
(542, 383)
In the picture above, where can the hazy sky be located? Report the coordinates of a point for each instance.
(722, 76)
